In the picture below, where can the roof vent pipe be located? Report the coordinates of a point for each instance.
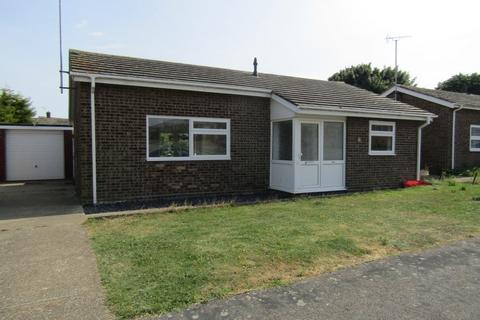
(48, 114)
(255, 63)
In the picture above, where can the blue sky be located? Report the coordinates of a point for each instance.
(302, 38)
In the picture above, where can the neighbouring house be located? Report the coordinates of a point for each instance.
(147, 129)
(452, 141)
(41, 150)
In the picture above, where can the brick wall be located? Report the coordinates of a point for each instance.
(437, 137)
(464, 158)
(122, 170)
(80, 151)
(366, 172)
(3, 155)
(68, 154)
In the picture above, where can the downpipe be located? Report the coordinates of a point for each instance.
(454, 124)
(419, 146)
(94, 149)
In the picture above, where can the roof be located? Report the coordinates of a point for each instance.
(461, 99)
(40, 122)
(302, 92)
(51, 121)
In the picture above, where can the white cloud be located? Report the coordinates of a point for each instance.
(97, 34)
(111, 46)
(81, 24)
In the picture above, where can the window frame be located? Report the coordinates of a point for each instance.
(292, 157)
(373, 133)
(191, 132)
(472, 137)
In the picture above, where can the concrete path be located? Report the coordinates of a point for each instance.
(439, 284)
(47, 269)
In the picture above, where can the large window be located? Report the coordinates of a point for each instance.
(181, 138)
(382, 138)
(282, 140)
(475, 138)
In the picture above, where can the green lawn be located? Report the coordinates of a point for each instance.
(159, 262)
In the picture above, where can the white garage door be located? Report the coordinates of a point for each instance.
(34, 155)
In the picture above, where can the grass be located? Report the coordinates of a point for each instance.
(159, 262)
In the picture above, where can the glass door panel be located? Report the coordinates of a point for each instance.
(309, 142)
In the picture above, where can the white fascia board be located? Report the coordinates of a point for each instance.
(19, 127)
(358, 114)
(228, 89)
(287, 104)
(470, 108)
(388, 92)
(420, 96)
(172, 84)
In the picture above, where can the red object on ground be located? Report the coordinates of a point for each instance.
(415, 183)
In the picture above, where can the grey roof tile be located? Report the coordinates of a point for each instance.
(463, 99)
(302, 92)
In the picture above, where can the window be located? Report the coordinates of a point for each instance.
(475, 138)
(282, 140)
(382, 138)
(332, 141)
(181, 138)
(168, 137)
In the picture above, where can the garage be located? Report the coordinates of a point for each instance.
(35, 152)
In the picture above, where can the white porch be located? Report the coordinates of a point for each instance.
(308, 151)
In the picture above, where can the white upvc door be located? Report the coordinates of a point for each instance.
(309, 159)
(320, 163)
(333, 155)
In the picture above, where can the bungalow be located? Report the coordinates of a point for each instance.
(147, 129)
(452, 142)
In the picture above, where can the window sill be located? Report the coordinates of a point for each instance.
(381, 154)
(206, 158)
(474, 150)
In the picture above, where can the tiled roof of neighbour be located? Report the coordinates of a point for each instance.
(305, 93)
(51, 121)
(462, 99)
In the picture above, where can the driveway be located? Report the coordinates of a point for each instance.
(438, 284)
(47, 269)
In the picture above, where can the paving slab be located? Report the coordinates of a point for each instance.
(442, 283)
(47, 268)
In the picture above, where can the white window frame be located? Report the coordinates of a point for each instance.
(472, 137)
(293, 143)
(191, 132)
(373, 133)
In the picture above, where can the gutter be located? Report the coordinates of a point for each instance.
(37, 127)
(454, 120)
(419, 146)
(172, 84)
(349, 112)
(239, 90)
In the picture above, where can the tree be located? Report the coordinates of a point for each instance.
(14, 108)
(466, 83)
(372, 79)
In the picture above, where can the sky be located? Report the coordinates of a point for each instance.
(300, 38)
